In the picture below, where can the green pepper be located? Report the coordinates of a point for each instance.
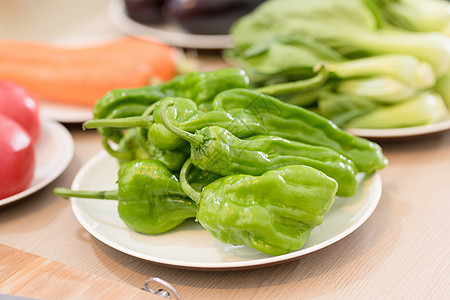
(247, 113)
(199, 178)
(159, 136)
(134, 145)
(217, 150)
(185, 114)
(122, 103)
(298, 124)
(150, 199)
(128, 148)
(273, 213)
(128, 104)
(201, 87)
(173, 159)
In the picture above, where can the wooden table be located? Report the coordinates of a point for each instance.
(400, 252)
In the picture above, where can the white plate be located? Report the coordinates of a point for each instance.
(54, 151)
(170, 34)
(190, 246)
(65, 113)
(399, 133)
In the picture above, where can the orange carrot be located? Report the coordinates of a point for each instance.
(83, 75)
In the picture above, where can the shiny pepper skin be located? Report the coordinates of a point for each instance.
(298, 124)
(150, 197)
(134, 146)
(153, 201)
(215, 149)
(273, 213)
(185, 114)
(225, 154)
(201, 87)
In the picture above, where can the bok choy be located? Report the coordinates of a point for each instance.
(417, 15)
(422, 109)
(370, 57)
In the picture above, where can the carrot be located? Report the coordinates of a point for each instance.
(83, 75)
(79, 85)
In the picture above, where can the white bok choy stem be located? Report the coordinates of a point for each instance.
(406, 68)
(422, 109)
(383, 89)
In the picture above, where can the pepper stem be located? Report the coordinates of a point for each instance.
(104, 195)
(145, 121)
(117, 154)
(297, 86)
(141, 121)
(185, 186)
(141, 137)
(194, 139)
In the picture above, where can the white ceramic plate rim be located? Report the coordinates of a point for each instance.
(174, 36)
(58, 132)
(402, 132)
(65, 113)
(95, 162)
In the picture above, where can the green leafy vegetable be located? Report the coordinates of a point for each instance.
(443, 88)
(384, 89)
(378, 52)
(418, 15)
(423, 109)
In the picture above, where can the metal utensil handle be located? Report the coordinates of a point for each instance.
(161, 292)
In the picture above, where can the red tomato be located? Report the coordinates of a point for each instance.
(17, 104)
(17, 160)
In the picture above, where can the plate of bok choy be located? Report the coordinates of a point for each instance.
(388, 61)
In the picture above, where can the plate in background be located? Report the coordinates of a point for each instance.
(54, 151)
(65, 113)
(399, 133)
(168, 33)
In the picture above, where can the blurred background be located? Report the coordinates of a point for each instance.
(49, 20)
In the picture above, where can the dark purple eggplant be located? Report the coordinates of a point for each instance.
(208, 16)
(145, 11)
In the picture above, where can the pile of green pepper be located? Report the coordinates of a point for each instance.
(250, 168)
